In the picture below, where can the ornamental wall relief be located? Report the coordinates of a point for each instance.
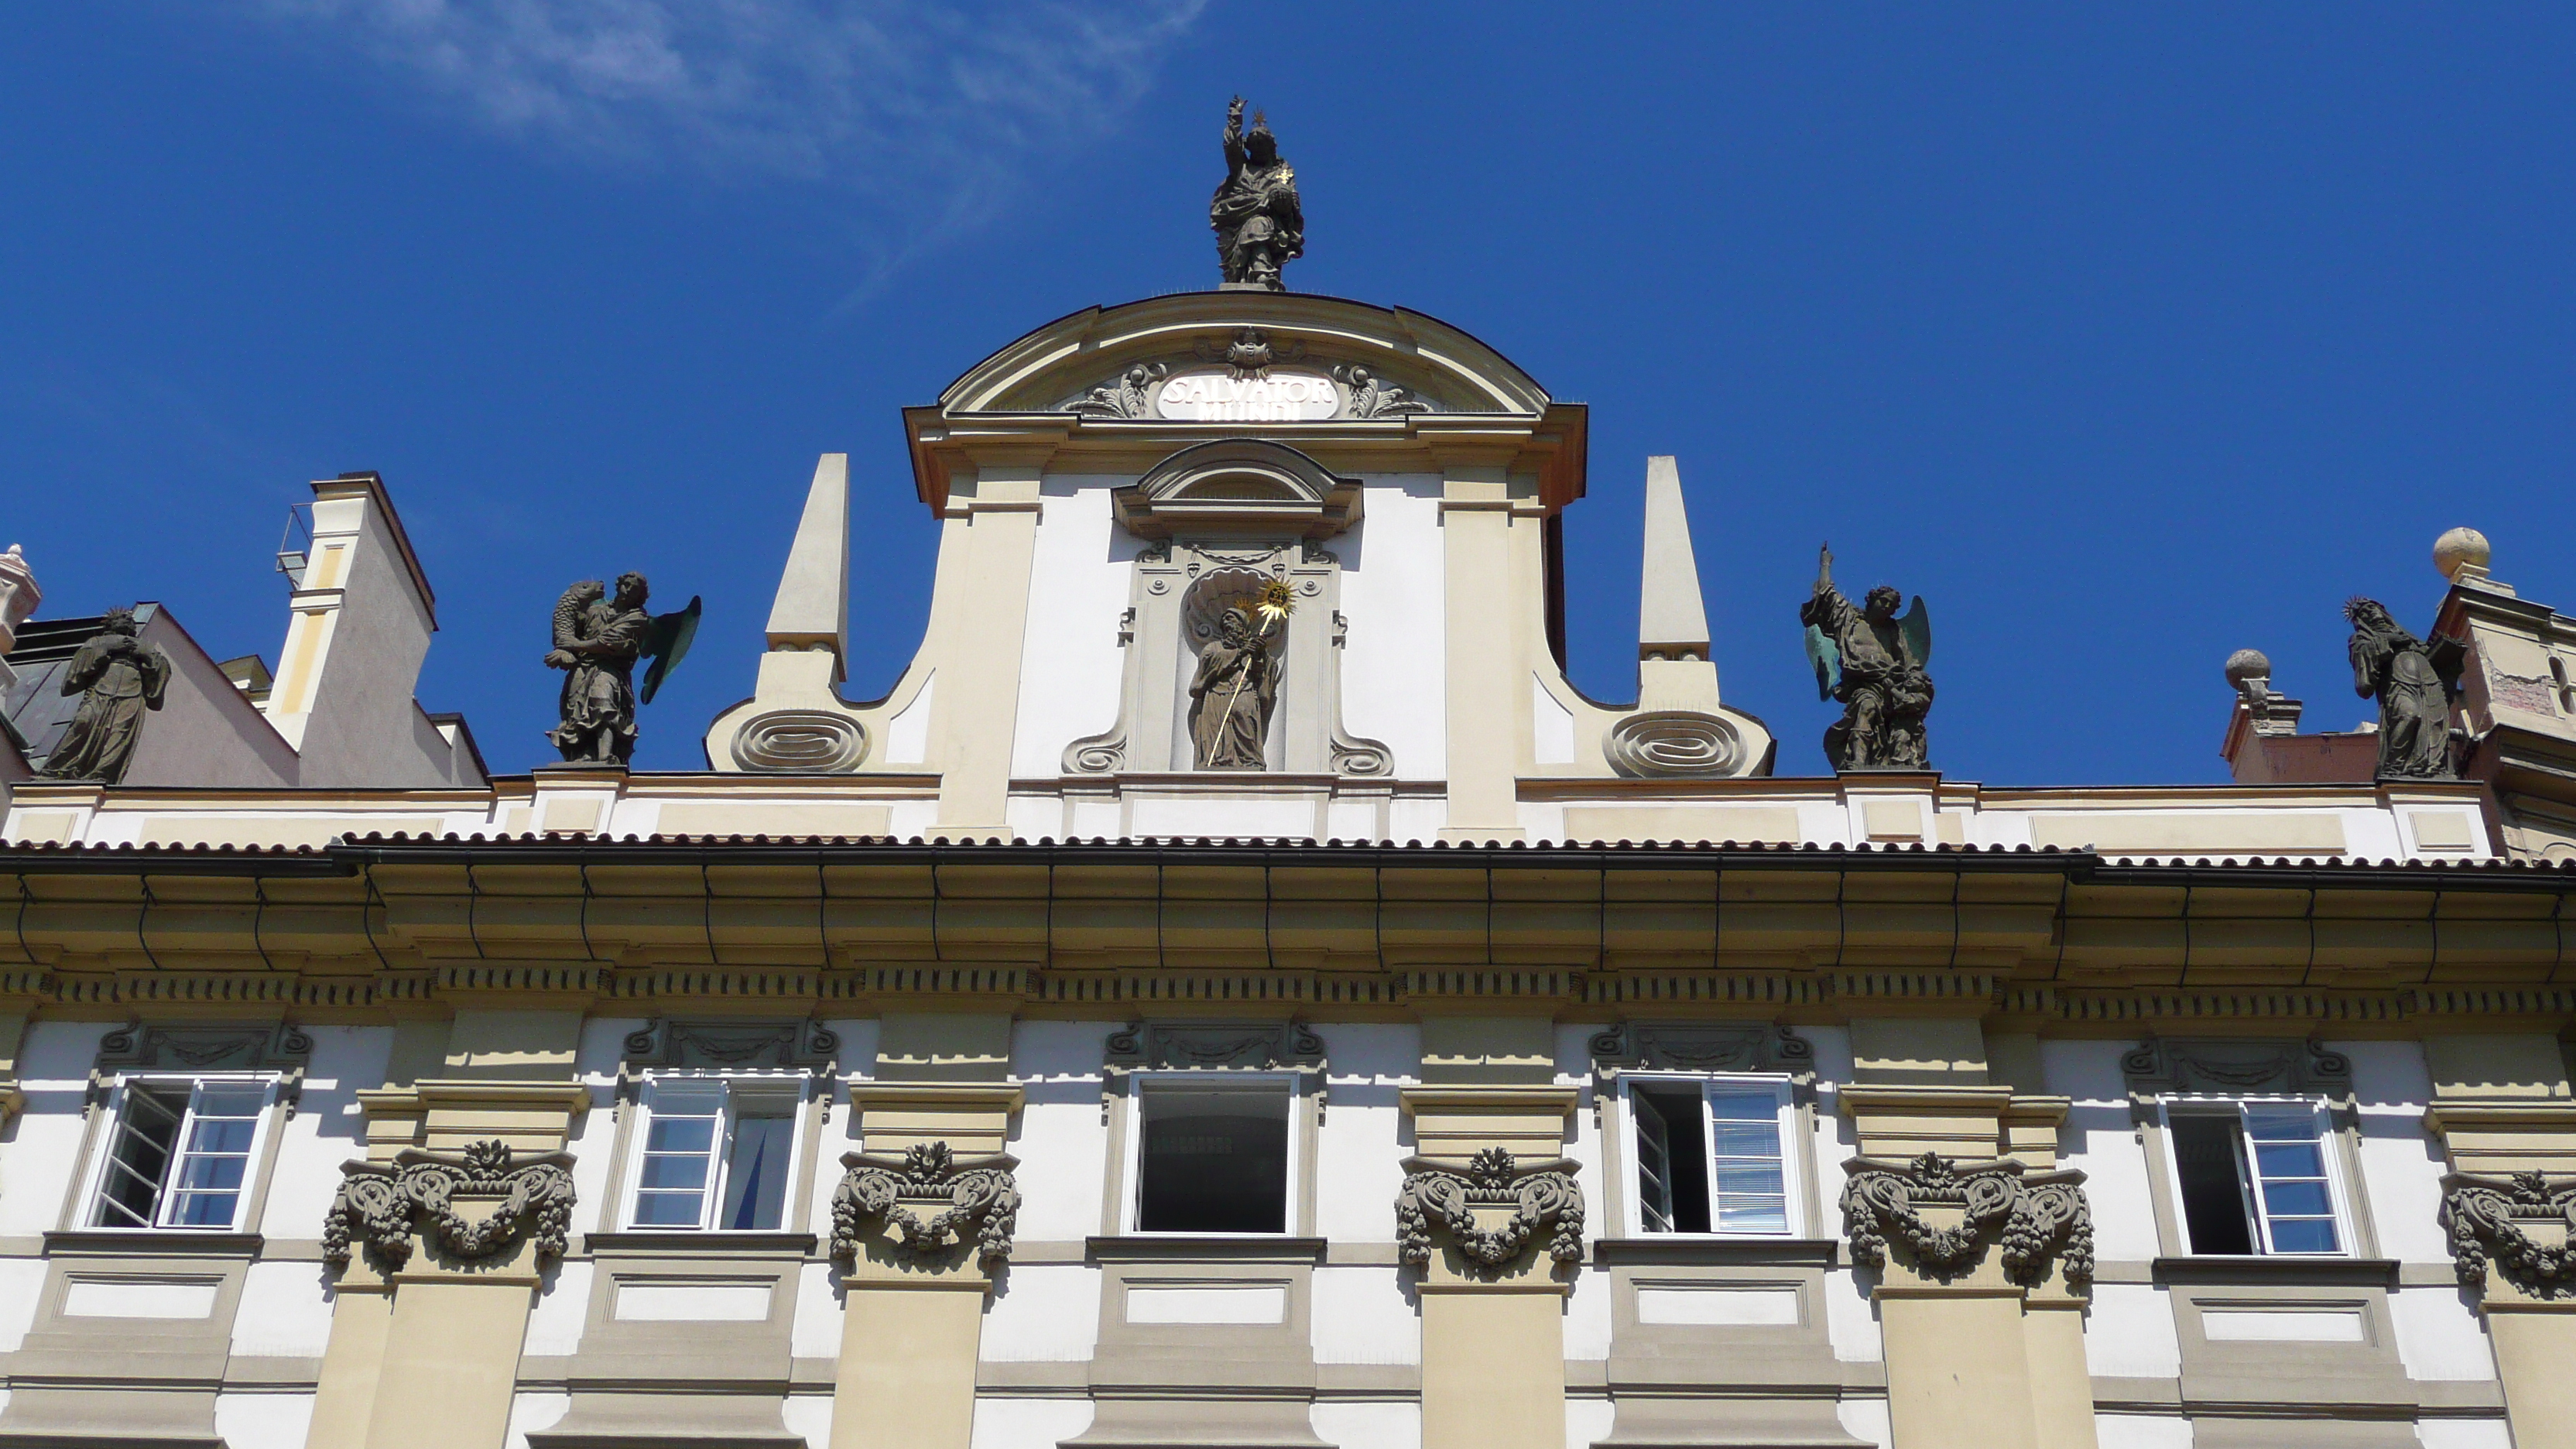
(1247, 377)
(1542, 1196)
(967, 1200)
(2523, 1224)
(385, 1205)
(1943, 1214)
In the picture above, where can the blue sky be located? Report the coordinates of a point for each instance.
(2127, 335)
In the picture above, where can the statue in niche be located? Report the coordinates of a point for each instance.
(1232, 694)
(1259, 226)
(2414, 683)
(597, 641)
(118, 677)
(1873, 663)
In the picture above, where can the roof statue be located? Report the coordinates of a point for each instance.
(2413, 682)
(1873, 662)
(597, 640)
(1259, 227)
(118, 678)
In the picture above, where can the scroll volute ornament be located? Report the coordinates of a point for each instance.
(383, 1205)
(1544, 1198)
(965, 1196)
(2035, 1218)
(2524, 1224)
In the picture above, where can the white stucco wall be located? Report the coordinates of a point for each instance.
(1062, 1136)
(1071, 667)
(1394, 664)
(328, 1128)
(2100, 1139)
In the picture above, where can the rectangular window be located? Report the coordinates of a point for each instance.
(2254, 1178)
(1712, 1154)
(715, 1155)
(179, 1153)
(1212, 1158)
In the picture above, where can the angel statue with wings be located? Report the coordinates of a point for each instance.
(1873, 663)
(597, 640)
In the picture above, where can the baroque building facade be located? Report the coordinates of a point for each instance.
(1232, 990)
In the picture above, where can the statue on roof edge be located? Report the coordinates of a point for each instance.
(597, 640)
(2414, 682)
(1259, 226)
(1873, 663)
(118, 678)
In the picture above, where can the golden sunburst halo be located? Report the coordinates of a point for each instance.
(1277, 602)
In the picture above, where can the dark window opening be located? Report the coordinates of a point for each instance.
(1672, 1146)
(2215, 1209)
(138, 1157)
(1213, 1161)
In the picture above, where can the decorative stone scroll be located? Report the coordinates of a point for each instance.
(251, 1047)
(800, 742)
(2491, 1218)
(1673, 743)
(713, 1046)
(1693, 1047)
(2165, 1066)
(384, 1205)
(975, 1195)
(2037, 1217)
(1264, 1046)
(1544, 1198)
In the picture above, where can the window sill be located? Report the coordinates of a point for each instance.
(1204, 1248)
(1661, 1248)
(697, 1243)
(152, 1242)
(2276, 1268)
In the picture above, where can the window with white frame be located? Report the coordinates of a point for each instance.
(181, 1153)
(714, 1154)
(1212, 1155)
(1712, 1154)
(2255, 1176)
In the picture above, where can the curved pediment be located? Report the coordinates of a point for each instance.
(1245, 357)
(1238, 486)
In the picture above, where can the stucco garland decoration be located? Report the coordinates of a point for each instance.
(2486, 1217)
(383, 1204)
(977, 1195)
(1543, 1198)
(2035, 1218)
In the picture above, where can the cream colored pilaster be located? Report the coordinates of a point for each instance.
(979, 612)
(913, 1320)
(1487, 698)
(2052, 1310)
(1959, 1352)
(1493, 1336)
(2502, 1106)
(424, 1347)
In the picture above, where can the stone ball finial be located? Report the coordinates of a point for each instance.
(2247, 664)
(2457, 547)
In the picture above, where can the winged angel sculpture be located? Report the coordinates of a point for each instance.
(1873, 663)
(597, 641)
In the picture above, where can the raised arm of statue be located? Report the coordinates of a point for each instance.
(1234, 156)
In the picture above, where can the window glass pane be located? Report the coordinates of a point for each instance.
(1213, 1161)
(688, 1173)
(2297, 1200)
(2303, 1235)
(139, 1149)
(678, 1161)
(2289, 1159)
(231, 1099)
(1744, 1128)
(666, 1209)
(756, 1173)
(680, 1134)
(1654, 1165)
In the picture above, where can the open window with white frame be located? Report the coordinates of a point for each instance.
(713, 1153)
(1713, 1154)
(2256, 1176)
(1213, 1153)
(181, 1153)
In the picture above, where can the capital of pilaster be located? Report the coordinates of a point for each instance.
(880, 1231)
(1931, 1221)
(1506, 1224)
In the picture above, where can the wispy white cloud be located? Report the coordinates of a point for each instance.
(935, 103)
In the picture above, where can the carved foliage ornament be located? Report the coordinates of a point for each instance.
(1543, 1199)
(977, 1196)
(384, 1205)
(2035, 1217)
(2492, 1218)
